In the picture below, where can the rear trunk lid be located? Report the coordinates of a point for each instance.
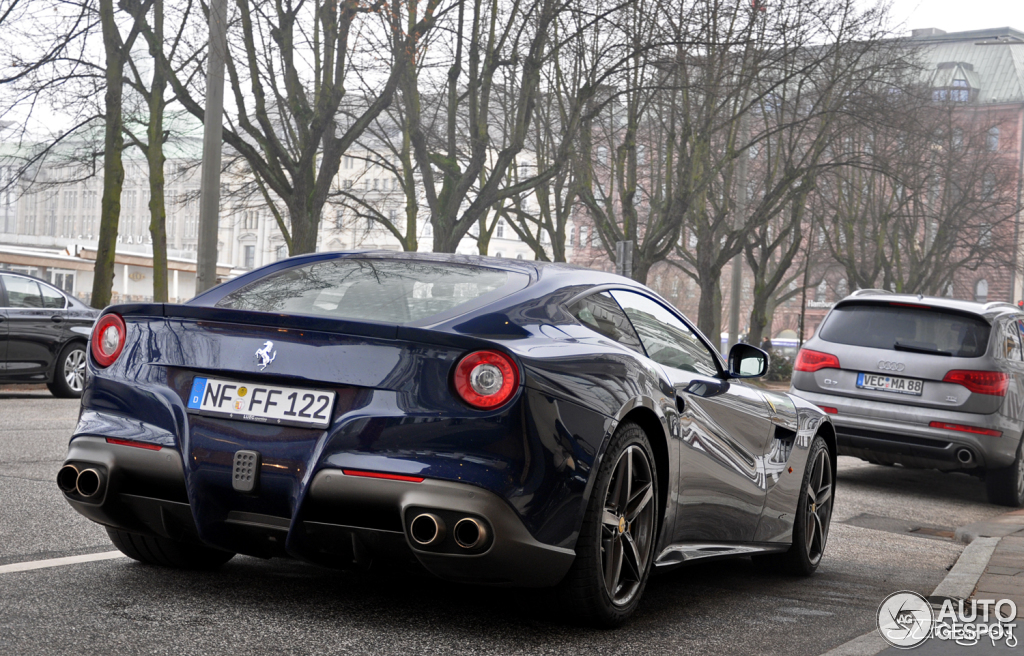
(900, 353)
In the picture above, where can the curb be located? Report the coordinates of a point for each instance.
(963, 578)
(959, 583)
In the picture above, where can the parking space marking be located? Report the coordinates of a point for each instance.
(58, 562)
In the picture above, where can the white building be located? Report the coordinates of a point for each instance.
(50, 227)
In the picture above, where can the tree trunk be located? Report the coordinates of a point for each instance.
(304, 229)
(709, 309)
(759, 318)
(155, 158)
(113, 167)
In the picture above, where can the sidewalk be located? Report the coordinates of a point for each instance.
(1003, 577)
(991, 567)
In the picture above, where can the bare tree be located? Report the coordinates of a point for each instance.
(468, 130)
(152, 143)
(290, 68)
(936, 195)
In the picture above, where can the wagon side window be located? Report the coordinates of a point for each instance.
(666, 339)
(602, 314)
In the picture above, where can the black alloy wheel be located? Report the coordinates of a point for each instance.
(813, 516)
(615, 551)
(818, 506)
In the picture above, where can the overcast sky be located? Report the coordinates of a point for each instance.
(958, 15)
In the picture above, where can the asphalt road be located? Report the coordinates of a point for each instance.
(890, 532)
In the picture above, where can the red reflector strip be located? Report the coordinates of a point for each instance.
(966, 429)
(141, 445)
(829, 410)
(388, 477)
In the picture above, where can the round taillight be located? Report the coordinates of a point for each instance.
(486, 379)
(107, 339)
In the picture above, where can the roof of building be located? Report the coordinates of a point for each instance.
(990, 61)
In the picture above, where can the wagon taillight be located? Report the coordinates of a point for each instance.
(486, 379)
(107, 339)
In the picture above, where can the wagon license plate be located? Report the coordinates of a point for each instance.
(890, 384)
(267, 404)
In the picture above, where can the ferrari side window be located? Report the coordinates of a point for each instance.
(1011, 341)
(602, 314)
(668, 340)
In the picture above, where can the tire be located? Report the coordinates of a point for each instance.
(69, 372)
(153, 550)
(1005, 487)
(606, 531)
(804, 555)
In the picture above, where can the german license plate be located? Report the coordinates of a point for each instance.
(267, 404)
(890, 384)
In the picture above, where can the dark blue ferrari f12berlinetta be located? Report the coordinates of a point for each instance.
(492, 421)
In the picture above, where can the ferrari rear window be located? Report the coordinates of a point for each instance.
(389, 291)
(907, 328)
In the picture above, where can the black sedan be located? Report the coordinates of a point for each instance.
(491, 421)
(43, 335)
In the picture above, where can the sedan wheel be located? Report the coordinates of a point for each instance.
(69, 374)
(74, 370)
(615, 550)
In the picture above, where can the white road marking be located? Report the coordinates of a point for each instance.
(59, 562)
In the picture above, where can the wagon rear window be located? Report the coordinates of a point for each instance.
(905, 328)
(390, 291)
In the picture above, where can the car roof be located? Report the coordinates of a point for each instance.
(536, 269)
(988, 310)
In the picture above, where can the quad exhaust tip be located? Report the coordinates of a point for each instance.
(470, 533)
(67, 479)
(85, 483)
(427, 529)
(89, 483)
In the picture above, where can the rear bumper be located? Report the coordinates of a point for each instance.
(874, 431)
(343, 521)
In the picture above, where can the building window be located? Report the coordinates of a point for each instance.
(282, 251)
(959, 92)
(499, 232)
(602, 156)
(992, 139)
(981, 291)
(583, 236)
(392, 216)
(249, 255)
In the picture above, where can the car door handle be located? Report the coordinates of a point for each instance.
(56, 318)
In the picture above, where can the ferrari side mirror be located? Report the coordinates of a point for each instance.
(746, 361)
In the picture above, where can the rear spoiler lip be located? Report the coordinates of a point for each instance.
(887, 302)
(301, 322)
